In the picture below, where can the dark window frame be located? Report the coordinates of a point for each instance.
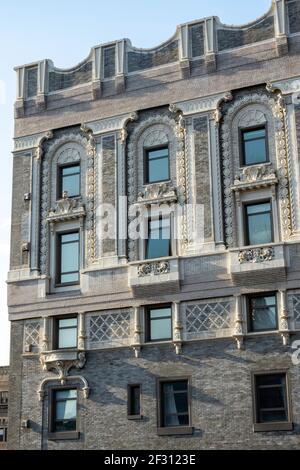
(61, 435)
(173, 430)
(59, 180)
(130, 414)
(58, 245)
(56, 332)
(249, 311)
(148, 320)
(147, 150)
(242, 131)
(272, 426)
(4, 393)
(246, 221)
(4, 429)
(159, 218)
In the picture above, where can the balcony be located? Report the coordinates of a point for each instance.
(159, 274)
(257, 264)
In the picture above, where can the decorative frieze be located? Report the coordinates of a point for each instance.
(158, 193)
(256, 174)
(66, 209)
(153, 269)
(256, 255)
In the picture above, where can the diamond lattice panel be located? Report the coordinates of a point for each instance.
(109, 327)
(202, 318)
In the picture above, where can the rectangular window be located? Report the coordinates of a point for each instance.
(157, 165)
(159, 238)
(259, 224)
(262, 312)
(68, 258)
(159, 322)
(174, 415)
(272, 408)
(254, 146)
(134, 401)
(64, 404)
(66, 333)
(3, 398)
(3, 434)
(69, 181)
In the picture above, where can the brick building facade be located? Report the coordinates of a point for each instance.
(175, 342)
(4, 373)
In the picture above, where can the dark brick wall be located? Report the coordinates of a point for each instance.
(62, 80)
(231, 38)
(146, 60)
(196, 36)
(20, 209)
(202, 178)
(31, 82)
(220, 378)
(294, 16)
(15, 385)
(109, 184)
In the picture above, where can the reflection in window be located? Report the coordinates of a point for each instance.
(67, 333)
(259, 223)
(254, 146)
(159, 238)
(65, 410)
(263, 313)
(271, 398)
(68, 258)
(157, 165)
(174, 404)
(159, 323)
(69, 180)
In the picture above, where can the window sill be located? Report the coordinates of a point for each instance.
(268, 427)
(176, 431)
(63, 436)
(135, 417)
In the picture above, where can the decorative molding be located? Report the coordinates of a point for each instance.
(201, 105)
(32, 141)
(66, 209)
(158, 193)
(73, 378)
(239, 323)
(273, 107)
(256, 255)
(253, 177)
(286, 87)
(112, 124)
(178, 328)
(62, 362)
(153, 269)
(137, 335)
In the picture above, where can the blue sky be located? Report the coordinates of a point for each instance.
(64, 31)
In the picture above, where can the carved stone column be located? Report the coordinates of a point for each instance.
(136, 346)
(284, 319)
(184, 55)
(239, 323)
(120, 66)
(81, 331)
(121, 202)
(177, 340)
(45, 338)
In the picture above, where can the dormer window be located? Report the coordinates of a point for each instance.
(254, 146)
(157, 165)
(69, 181)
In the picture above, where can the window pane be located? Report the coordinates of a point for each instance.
(67, 322)
(258, 208)
(71, 184)
(135, 401)
(158, 170)
(271, 398)
(174, 404)
(161, 312)
(1, 435)
(64, 394)
(159, 153)
(158, 248)
(66, 410)
(67, 278)
(273, 416)
(67, 338)
(70, 237)
(255, 134)
(70, 257)
(272, 379)
(161, 329)
(263, 316)
(70, 170)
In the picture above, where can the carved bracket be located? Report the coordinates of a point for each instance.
(154, 269)
(256, 255)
